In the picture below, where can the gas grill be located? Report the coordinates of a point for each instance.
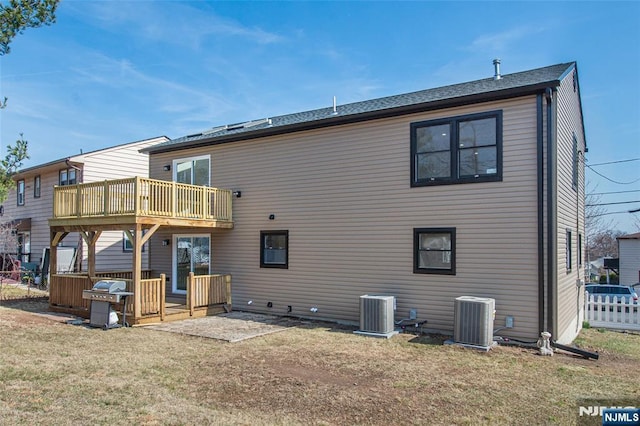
(103, 295)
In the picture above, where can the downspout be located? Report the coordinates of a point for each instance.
(580, 233)
(552, 267)
(540, 184)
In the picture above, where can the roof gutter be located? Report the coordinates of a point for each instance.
(356, 118)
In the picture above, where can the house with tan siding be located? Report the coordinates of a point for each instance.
(474, 189)
(30, 205)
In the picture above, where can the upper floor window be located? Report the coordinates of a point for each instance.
(274, 249)
(574, 175)
(68, 177)
(20, 192)
(36, 186)
(434, 251)
(457, 150)
(193, 171)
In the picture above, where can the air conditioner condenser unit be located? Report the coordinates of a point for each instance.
(377, 315)
(473, 321)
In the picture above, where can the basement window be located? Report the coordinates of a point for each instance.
(461, 149)
(434, 251)
(274, 249)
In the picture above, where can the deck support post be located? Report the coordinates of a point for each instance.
(91, 238)
(227, 279)
(137, 271)
(163, 291)
(191, 297)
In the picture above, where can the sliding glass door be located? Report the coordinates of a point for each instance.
(191, 253)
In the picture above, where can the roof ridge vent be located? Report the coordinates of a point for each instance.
(496, 65)
(214, 130)
(257, 122)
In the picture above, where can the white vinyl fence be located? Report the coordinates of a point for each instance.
(611, 312)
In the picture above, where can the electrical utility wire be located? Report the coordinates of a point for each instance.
(608, 213)
(613, 192)
(611, 180)
(610, 204)
(615, 162)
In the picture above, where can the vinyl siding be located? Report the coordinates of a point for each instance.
(344, 195)
(629, 250)
(37, 209)
(570, 210)
(114, 163)
(111, 163)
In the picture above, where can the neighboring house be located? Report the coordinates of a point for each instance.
(596, 268)
(30, 205)
(471, 189)
(629, 257)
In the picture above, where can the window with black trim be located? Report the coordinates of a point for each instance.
(460, 149)
(20, 192)
(36, 186)
(574, 175)
(68, 177)
(274, 249)
(434, 251)
(579, 249)
(569, 251)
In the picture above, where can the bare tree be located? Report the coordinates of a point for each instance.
(596, 216)
(604, 244)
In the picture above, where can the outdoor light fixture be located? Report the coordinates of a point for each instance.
(167, 167)
(237, 194)
(166, 242)
(272, 216)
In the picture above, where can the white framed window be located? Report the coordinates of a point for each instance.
(20, 192)
(127, 244)
(193, 170)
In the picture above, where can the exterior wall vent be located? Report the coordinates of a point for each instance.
(377, 314)
(473, 321)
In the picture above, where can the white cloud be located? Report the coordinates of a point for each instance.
(496, 42)
(171, 22)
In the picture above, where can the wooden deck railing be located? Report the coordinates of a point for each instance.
(205, 290)
(118, 275)
(138, 196)
(65, 292)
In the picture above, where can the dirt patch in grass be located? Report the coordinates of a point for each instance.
(315, 373)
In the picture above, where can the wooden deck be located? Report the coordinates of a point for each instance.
(206, 295)
(139, 207)
(114, 204)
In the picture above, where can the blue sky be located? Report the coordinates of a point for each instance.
(108, 73)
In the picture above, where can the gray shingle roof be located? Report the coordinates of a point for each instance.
(510, 85)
